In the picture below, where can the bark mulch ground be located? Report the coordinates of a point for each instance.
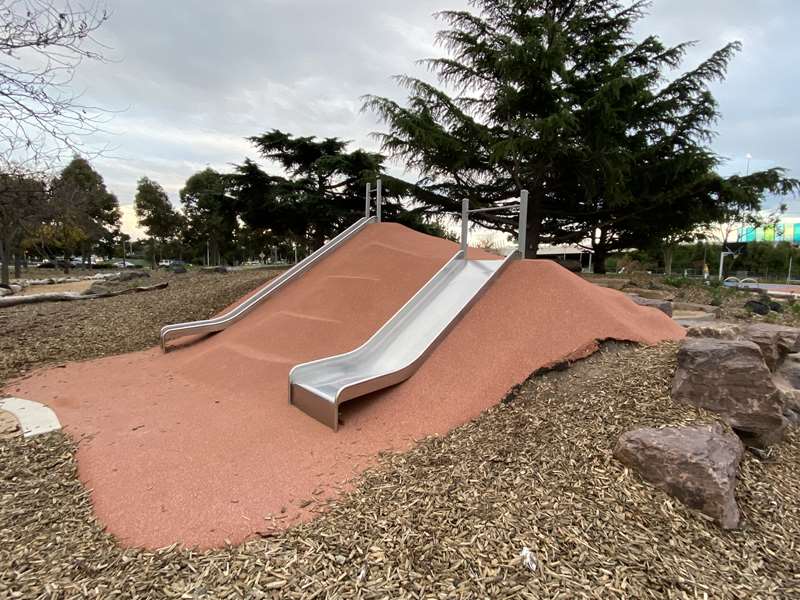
(524, 502)
(38, 334)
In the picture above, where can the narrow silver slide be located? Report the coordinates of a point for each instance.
(398, 348)
(221, 322)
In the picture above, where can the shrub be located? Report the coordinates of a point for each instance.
(677, 281)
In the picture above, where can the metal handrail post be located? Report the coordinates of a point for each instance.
(369, 200)
(523, 222)
(380, 199)
(464, 225)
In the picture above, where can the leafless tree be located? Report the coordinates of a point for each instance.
(42, 42)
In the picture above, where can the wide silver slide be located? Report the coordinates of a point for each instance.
(223, 321)
(398, 348)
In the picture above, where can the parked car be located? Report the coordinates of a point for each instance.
(53, 264)
(125, 265)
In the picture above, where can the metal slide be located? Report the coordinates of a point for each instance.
(398, 348)
(207, 326)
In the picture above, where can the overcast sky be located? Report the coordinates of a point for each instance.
(191, 79)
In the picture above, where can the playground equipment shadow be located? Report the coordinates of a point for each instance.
(200, 446)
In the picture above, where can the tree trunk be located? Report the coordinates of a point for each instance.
(600, 257)
(73, 296)
(668, 252)
(5, 278)
(153, 252)
(17, 265)
(533, 228)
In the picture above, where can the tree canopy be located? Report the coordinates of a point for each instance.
(321, 192)
(558, 97)
(155, 213)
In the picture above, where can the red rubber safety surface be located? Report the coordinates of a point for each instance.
(200, 446)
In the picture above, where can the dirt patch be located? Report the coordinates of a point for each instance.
(78, 286)
(451, 517)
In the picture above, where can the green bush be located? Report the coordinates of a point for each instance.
(677, 281)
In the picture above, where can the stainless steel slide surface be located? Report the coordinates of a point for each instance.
(398, 348)
(221, 322)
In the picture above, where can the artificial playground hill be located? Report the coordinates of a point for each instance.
(196, 445)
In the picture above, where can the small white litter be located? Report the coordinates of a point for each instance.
(528, 558)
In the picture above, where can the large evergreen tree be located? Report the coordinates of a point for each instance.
(80, 202)
(557, 97)
(210, 215)
(321, 193)
(156, 214)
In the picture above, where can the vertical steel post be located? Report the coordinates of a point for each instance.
(523, 222)
(464, 225)
(380, 198)
(369, 198)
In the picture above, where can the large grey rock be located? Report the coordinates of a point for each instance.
(663, 305)
(730, 377)
(789, 371)
(613, 283)
(696, 465)
(98, 288)
(651, 294)
(693, 306)
(131, 275)
(714, 329)
(775, 341)
(787, 379)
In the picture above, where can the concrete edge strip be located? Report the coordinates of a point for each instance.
(34, 418)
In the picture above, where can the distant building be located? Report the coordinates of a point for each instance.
(786, 230)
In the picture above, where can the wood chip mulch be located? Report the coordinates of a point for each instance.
(524, 502)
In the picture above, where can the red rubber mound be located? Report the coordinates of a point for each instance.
(200, 446)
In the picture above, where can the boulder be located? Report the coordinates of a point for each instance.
(694, 306)
(787, 379)
(663, 305)
(4, 291)
(791, 403)
(789, 371)
(650, 294)
(9, 426)
(757, 307)
(131, 275)
(98, 288)
(775, 341)
(696, 465)
(730, 377)
(713, 329)
(614, 284)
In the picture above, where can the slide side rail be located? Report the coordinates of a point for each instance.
(213, 325)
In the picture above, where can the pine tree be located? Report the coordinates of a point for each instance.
(557, 97)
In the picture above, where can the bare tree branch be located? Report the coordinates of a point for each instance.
(42, 43)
